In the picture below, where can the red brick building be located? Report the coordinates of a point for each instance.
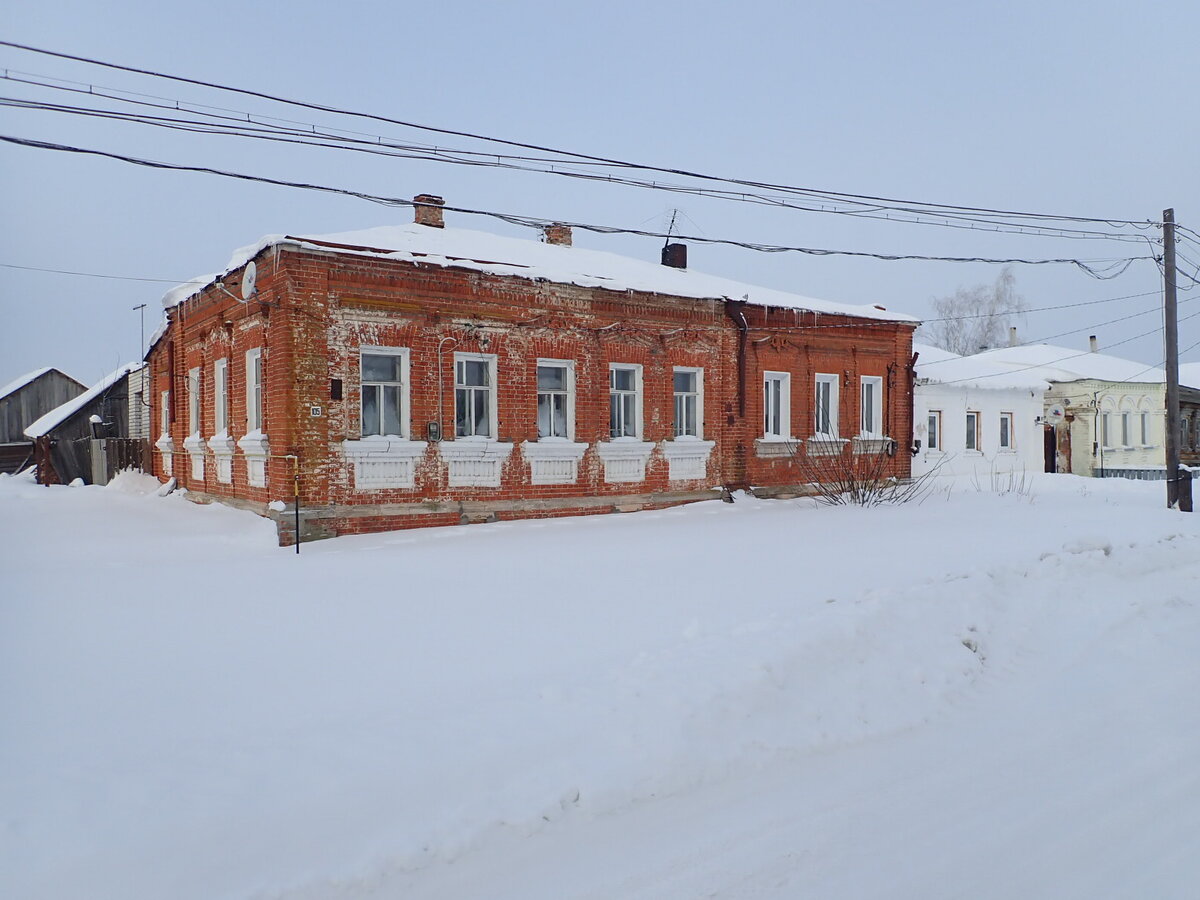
(420, 375)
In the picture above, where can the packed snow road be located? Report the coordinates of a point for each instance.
(981, 696)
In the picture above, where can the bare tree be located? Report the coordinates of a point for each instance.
(838, 476)
(977, 317)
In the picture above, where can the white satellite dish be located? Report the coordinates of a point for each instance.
(1056, 413)
(249, 277)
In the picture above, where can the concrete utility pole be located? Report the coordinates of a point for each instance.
(1178, 493)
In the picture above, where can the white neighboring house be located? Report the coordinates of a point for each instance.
(1108, 413)
(974, 417)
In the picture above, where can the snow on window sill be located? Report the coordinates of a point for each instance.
(254, 444)
(194, 444)
(221, 444)
(165, 444)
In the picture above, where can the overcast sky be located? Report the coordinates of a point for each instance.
(1080, 109)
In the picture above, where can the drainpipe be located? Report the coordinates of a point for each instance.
(441, 377)
(736, 310)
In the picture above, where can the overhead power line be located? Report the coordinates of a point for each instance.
(861, 199)
(1102, 269)
(239, 123)
(255, 129)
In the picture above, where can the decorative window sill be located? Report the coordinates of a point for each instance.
(383, 462)
(255, 447)
(194, 444)
(474, 463)
(254, 444)
(165, 444)
(687, 457)
(221, 444)
(871, 445)
(825, 446)
(775, 447)
(553, 460)
(624, 459)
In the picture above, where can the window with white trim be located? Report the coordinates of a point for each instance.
(555, 398)
(1006, 431)
(689, 402)
(934, 430)
(777, 405)
(383, 391)
(193, 384)
(826, 419)
(871, 406)
(164, 414)
(972, 430)
(1106, 429)
(625, 400)
(220, 395)
(254, 390)
(1126, 429)
(475, 395)
(1145, 429)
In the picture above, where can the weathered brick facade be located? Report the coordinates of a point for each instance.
(318, 305)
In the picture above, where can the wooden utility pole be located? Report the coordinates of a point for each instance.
(1178, 494)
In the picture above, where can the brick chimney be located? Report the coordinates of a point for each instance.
(558, 234)
(675, 256)
(427, 210)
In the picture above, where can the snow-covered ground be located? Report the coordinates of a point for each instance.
(988, 695)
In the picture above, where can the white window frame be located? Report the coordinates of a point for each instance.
(697, 397)
(825, 378)
(971, 436)
(777, 384)
(403, 354)
(493, 419)
(1105, 429)
(638, 395)
(1007, 441)
(569, 392)
(193, 388)
(164, 414)
(1126, 428)
(1145, 416)
(872, 384)
(254, 390)
(934, 436)
(221, 395)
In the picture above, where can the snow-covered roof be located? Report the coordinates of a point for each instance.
(1063, 364)
(17, 383)
(60, 414)
(523, 258)
(939, 366)
(1189, 374)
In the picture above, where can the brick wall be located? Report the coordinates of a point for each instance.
(315, 310)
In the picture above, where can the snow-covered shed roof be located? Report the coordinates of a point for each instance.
(1063, 364)
(60, 414)
(938, 366)
(17, 383)
(523, 258)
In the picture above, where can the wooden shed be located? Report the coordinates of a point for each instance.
(23, 401)
(87, 436)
